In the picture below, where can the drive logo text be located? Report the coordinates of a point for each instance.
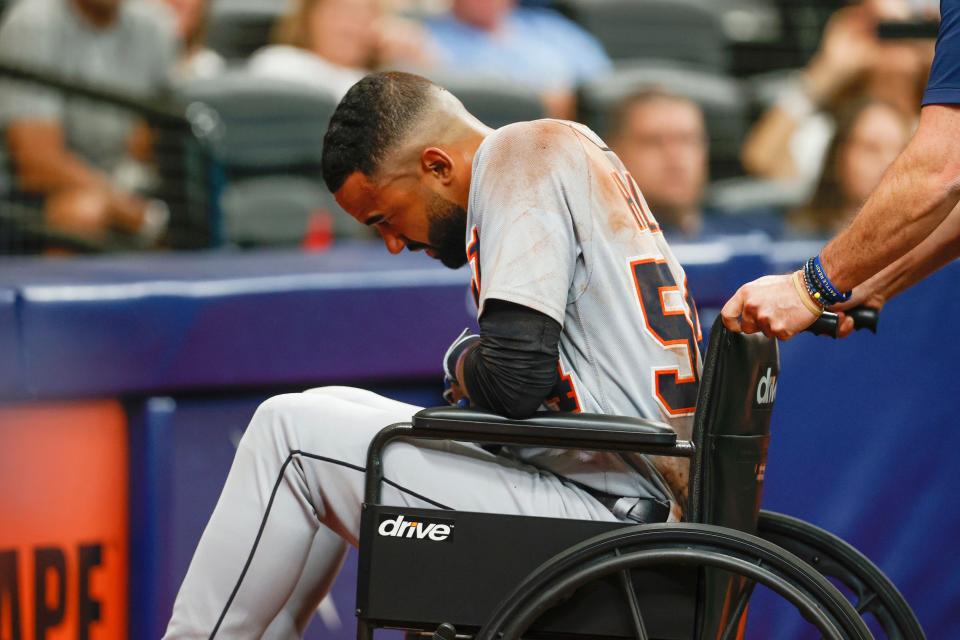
(416, 528)
(767, 388)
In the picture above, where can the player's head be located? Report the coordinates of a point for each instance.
(398, 156)
(661, 139)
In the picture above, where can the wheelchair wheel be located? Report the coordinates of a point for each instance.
(873, 593)
(618, 552)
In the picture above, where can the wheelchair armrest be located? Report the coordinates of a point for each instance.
(563, 430)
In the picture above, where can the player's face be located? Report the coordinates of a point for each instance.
(408, 215)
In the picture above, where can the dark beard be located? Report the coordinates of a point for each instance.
(447, 231)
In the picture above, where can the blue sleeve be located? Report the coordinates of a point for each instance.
(944, 84)
(584, 54)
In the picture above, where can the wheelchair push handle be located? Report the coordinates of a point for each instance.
(828, 324)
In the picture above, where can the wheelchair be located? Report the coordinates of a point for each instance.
(451, 574)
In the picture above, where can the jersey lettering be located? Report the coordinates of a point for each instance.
(638, 205)
(563, 396)
(669, 313)
(664, 308)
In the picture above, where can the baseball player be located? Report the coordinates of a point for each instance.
(582, 307)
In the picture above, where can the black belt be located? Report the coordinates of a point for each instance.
(640, 510)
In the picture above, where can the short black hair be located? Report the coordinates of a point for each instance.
(371, 118)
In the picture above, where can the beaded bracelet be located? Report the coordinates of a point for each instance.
(817, 277)
(810, 288)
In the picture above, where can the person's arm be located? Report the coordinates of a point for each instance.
(845, 52)
(916, 194)
(42, 161)
(44, 164)
(513, 367)
(936, 250)
(762, 154)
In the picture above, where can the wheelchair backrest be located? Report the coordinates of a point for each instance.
(732, 428)
(731, 432)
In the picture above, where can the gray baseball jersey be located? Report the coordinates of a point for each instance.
(555, 223)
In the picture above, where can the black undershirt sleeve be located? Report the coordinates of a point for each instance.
(514, 367)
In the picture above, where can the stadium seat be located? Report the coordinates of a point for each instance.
(686, 31)
(266, 125)
(279, 211)
(720, 97)
(268, 138)
(494, 102)
(237, 28)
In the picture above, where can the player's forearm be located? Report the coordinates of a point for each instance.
(514, 366)
(915, 196)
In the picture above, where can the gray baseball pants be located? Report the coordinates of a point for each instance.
(291, 505)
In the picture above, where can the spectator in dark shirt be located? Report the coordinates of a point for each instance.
(662, 139)
(65, 150)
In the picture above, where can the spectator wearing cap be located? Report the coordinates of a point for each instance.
(662, 140)
(64, 150)
(531, 47)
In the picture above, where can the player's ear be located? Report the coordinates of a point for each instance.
(438, 164)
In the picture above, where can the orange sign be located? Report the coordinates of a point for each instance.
(63, 521)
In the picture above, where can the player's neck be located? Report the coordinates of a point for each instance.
(465, 149)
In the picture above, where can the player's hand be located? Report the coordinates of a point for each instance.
(454, 394)
(466, 340)
(770, 305)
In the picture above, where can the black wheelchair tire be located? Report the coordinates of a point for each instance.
(706, 545)
(833, 557)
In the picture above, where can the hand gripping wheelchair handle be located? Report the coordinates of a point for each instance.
(828, 324)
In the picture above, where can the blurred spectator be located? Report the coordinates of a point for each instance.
(869, 137)
(536, 48)
(196, 61)
(662, 140)
(333, 43)
(852, 63)
(65, 150)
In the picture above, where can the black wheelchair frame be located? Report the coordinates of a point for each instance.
(488, 576)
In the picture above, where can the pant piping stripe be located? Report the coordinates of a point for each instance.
(266, 514)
